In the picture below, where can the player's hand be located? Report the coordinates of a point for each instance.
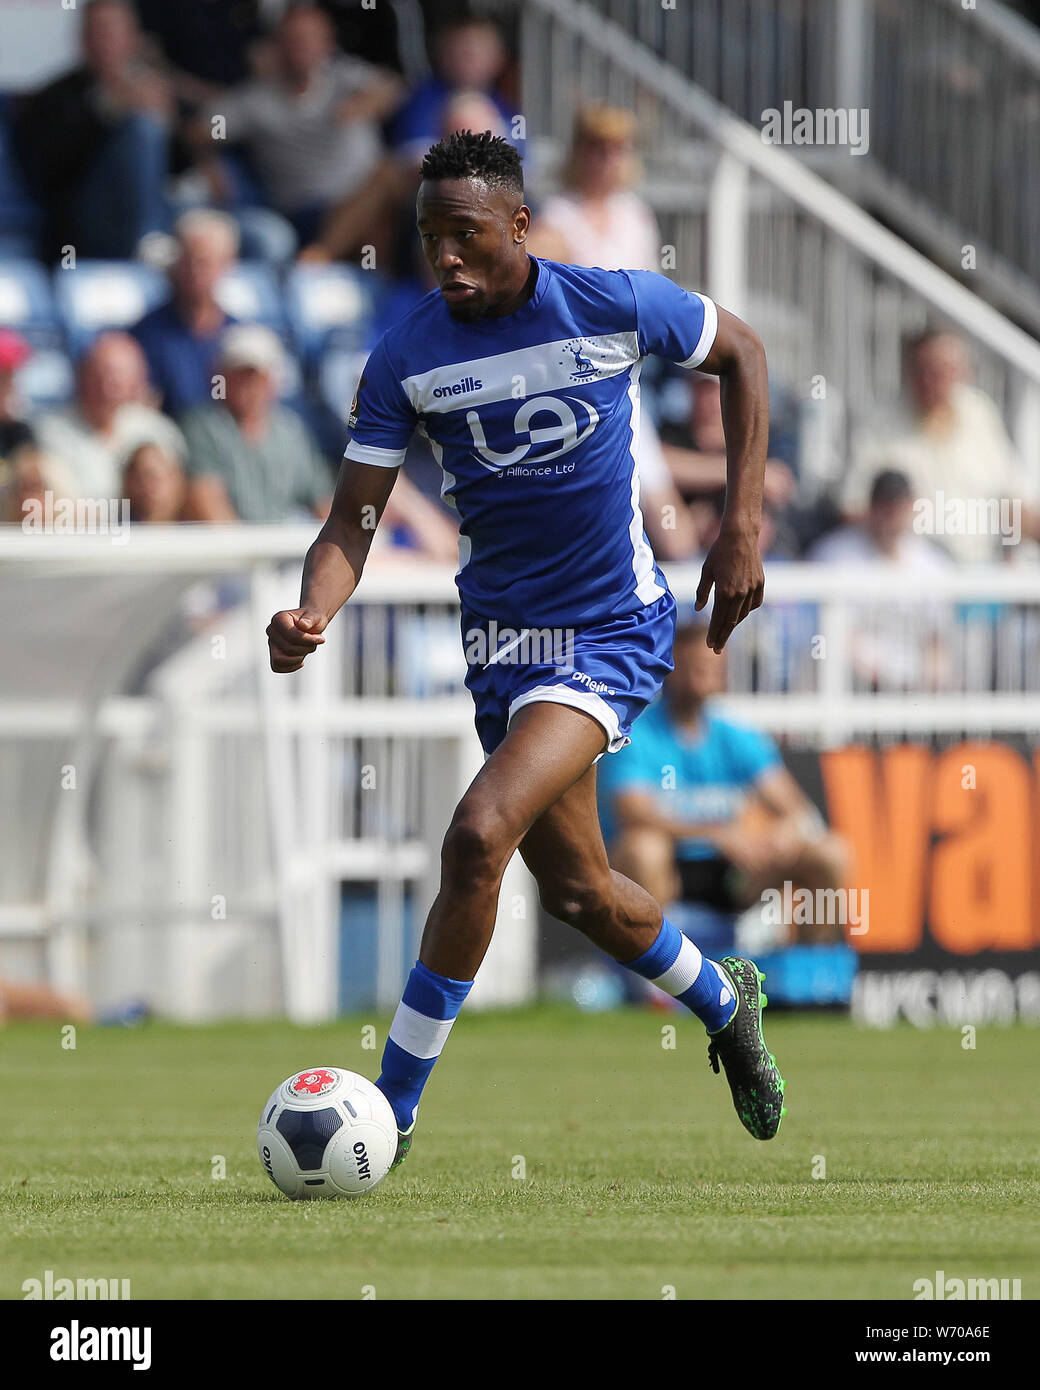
(292, 635)
(733, 566)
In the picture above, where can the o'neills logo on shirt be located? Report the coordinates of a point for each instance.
(460, 388)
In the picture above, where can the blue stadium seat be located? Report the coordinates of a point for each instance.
(329, 304)
(98, 295)
(27, 304)
(250, 292)
(47, 379)
(337, 377)
(290, 388)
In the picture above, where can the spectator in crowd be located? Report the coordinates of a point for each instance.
(885, 535)
(894, 646)
(701, 809)
(469, 56)
(154, 485)
(25, 483)
(695, 449)
(111, 415)
(181, 337)
(206, 44)
(15, 433)
(311, 129)
(597, 219)
(695, 454)
(248, 457)
(370, 31)
(94, 143)
(951, 443)
(382, 211)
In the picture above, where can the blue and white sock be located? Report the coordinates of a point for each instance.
(674, 964)
(429, 1006)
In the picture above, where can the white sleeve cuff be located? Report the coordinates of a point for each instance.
(709, 331)
(379, 458)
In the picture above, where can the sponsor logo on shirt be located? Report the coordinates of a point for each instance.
(460, 388)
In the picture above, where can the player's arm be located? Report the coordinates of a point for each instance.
(734, 564)
(381, 423)
(334, 563)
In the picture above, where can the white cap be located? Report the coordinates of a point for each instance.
(252, 345)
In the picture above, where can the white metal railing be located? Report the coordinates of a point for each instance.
(204, 862)
(952, 90)
(832, 292)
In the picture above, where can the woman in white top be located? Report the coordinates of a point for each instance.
(596, 219)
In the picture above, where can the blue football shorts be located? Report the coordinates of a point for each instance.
(611, 670)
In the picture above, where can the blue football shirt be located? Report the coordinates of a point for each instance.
(702, 779)
(534, 419)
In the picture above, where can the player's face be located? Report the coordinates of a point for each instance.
(473, 237)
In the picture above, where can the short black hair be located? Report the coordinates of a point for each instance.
(889, 485)
(464, 155)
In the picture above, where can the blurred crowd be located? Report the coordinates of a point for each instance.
(205, 139)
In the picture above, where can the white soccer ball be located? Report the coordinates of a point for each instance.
(327, 1132)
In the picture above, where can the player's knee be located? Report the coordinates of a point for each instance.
(584, 906)
(476, 847)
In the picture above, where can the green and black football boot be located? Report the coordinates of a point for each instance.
(751, 1070)
(404, 1143)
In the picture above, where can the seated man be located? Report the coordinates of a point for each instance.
(896, 645)
(94, 143)
(700, 809)
(248, 457)
(110, 416)
(311, 127)
(181, 337)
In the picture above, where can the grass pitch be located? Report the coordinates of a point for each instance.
(639, 1178)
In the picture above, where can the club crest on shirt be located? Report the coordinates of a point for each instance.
(584, 367)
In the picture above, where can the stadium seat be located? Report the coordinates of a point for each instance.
(47, 379)
(99, 295)
(250, 293)
(337, 377)
(329, 304)
(27, 303)
(290, 386)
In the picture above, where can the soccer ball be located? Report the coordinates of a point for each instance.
(327, 1133)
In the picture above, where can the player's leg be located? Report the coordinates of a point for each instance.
(647, 856)
(564, 850)
(547, 748)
